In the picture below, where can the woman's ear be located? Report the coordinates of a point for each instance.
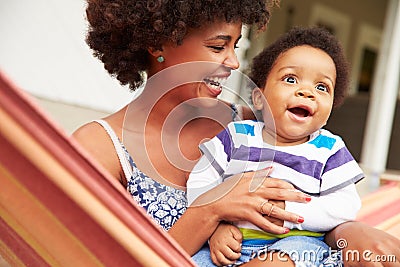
(154, 52)
(157, 54)
(257, 97)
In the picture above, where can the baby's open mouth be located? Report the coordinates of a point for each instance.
(301, 112)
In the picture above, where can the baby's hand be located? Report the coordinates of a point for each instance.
(225, 244)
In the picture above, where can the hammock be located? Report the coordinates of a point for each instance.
(60, 208)
(381, 209)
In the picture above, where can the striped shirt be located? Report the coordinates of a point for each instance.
(322, 167)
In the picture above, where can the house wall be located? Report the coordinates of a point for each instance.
(371, 12)
(68, 116)
(43, 50)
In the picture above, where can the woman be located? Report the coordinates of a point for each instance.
(186, 51)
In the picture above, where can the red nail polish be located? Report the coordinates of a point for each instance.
(286, 230)
(300, 219)
(308, 199)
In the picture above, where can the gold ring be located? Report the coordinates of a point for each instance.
(270, 211)
(262, 206)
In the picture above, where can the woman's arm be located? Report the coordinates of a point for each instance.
(370, 244)
(194, 228)
(238, 199)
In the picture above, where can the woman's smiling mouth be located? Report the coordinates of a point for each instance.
(215, 84)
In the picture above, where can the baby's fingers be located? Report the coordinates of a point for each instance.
(225, 257)
(237, 235)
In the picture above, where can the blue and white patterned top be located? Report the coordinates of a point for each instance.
(165, 204)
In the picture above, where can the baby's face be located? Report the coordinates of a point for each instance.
(299, 91)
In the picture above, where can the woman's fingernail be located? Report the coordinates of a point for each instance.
(308, 198)
(300, 219)
(286, 230)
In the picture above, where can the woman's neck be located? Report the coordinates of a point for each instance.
(152, 108)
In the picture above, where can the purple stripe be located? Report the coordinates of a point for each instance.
(226, 140)
(341, 157)
(300, 164)
(255, 154)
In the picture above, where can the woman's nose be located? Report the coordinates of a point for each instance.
(232, 61)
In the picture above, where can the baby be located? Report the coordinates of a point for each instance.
(299, 78)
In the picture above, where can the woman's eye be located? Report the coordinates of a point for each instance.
(322, 87)
(217, 48)
(290, 79)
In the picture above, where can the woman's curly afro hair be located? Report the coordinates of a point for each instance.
(314, 36)
(121, 31)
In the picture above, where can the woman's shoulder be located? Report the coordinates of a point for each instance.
(91, 135)
(94, 136)
(94, 139)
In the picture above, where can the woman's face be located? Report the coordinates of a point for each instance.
(207, 55)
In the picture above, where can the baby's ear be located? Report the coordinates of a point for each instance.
(257, 97)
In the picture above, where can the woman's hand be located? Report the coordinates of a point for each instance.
(280, 204)
(236, 199)
(225, 244)
(363, 245)
(243, 198)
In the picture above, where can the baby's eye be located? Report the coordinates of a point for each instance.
(322, 87)
(290, 79)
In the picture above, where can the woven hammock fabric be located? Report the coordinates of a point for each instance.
(58, 207)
